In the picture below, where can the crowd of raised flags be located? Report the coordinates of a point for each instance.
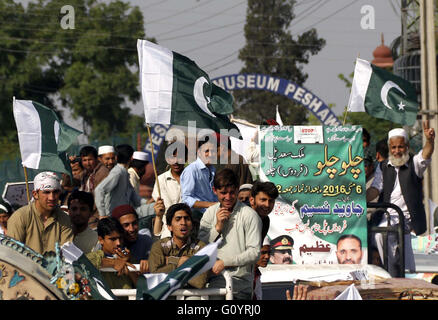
(177, 92)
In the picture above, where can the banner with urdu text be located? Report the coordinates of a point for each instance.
(320, 175)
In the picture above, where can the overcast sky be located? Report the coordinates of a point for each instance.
(210, 32)
(182, 26)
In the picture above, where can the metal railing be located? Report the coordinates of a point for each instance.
(398, 229)
(181, 294)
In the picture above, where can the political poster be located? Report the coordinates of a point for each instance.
(320, 214)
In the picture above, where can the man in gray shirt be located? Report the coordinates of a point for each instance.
(240, 227)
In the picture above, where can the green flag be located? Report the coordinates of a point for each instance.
(159, 286)
(43, 137)
(382, 94)
(175, 91)
(99, 288)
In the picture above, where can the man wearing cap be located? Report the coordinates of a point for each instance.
(107, 156)
(281, 250)
(137, 168)
(138, 244)
(116, 189)
(399, 179)
(41, 224)
(244, 193)
(5, 213)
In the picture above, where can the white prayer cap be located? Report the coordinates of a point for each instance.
(398, 132)
(46, 180)
(245, 186)
(266, 241)
(105, 149)
(140, 155)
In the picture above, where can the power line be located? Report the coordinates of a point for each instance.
(223, 58)
(214, 42)
(309, 8)
(329, 16)
(196, 22)
(225, 64)
(200, 32)
(181, 12)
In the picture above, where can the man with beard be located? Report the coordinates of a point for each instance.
(349, 249)
(399, 179)
(281, 250)
(262, 200)
(107, 156)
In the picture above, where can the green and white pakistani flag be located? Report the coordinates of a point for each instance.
(382, 94)
(175, 91)
(159, 286)
(99, 288)
(43, 137)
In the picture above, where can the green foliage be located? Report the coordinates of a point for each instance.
(91, 69)
(272, 49)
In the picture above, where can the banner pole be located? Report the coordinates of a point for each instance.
(153, 160)
(244, 123)
(27, 184)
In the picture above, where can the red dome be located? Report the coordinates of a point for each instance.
(382, 56)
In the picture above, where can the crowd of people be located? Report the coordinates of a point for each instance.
(99, 209)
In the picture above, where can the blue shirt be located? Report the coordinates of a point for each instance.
(140, 249)
(197, 183)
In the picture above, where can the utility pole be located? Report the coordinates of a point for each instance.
(429, 103)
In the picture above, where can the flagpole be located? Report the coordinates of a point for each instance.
(349, 99)
(244, 123)
(153, 160)
(27, 184)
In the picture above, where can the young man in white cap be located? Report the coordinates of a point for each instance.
(107, 156)
(41, 224)
(399, 179)
(137, 168)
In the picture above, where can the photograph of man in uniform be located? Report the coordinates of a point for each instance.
(281, 250)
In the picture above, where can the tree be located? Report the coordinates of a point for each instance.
(272, 49)
(92, 68)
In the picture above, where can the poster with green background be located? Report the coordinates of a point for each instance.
(319, 173)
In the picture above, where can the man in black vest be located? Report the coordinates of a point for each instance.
(399, 179)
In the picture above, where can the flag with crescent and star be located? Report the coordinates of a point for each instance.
(382, 94)
(176, 91)
(158, 286)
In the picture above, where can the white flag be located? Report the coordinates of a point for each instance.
(278, 118)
